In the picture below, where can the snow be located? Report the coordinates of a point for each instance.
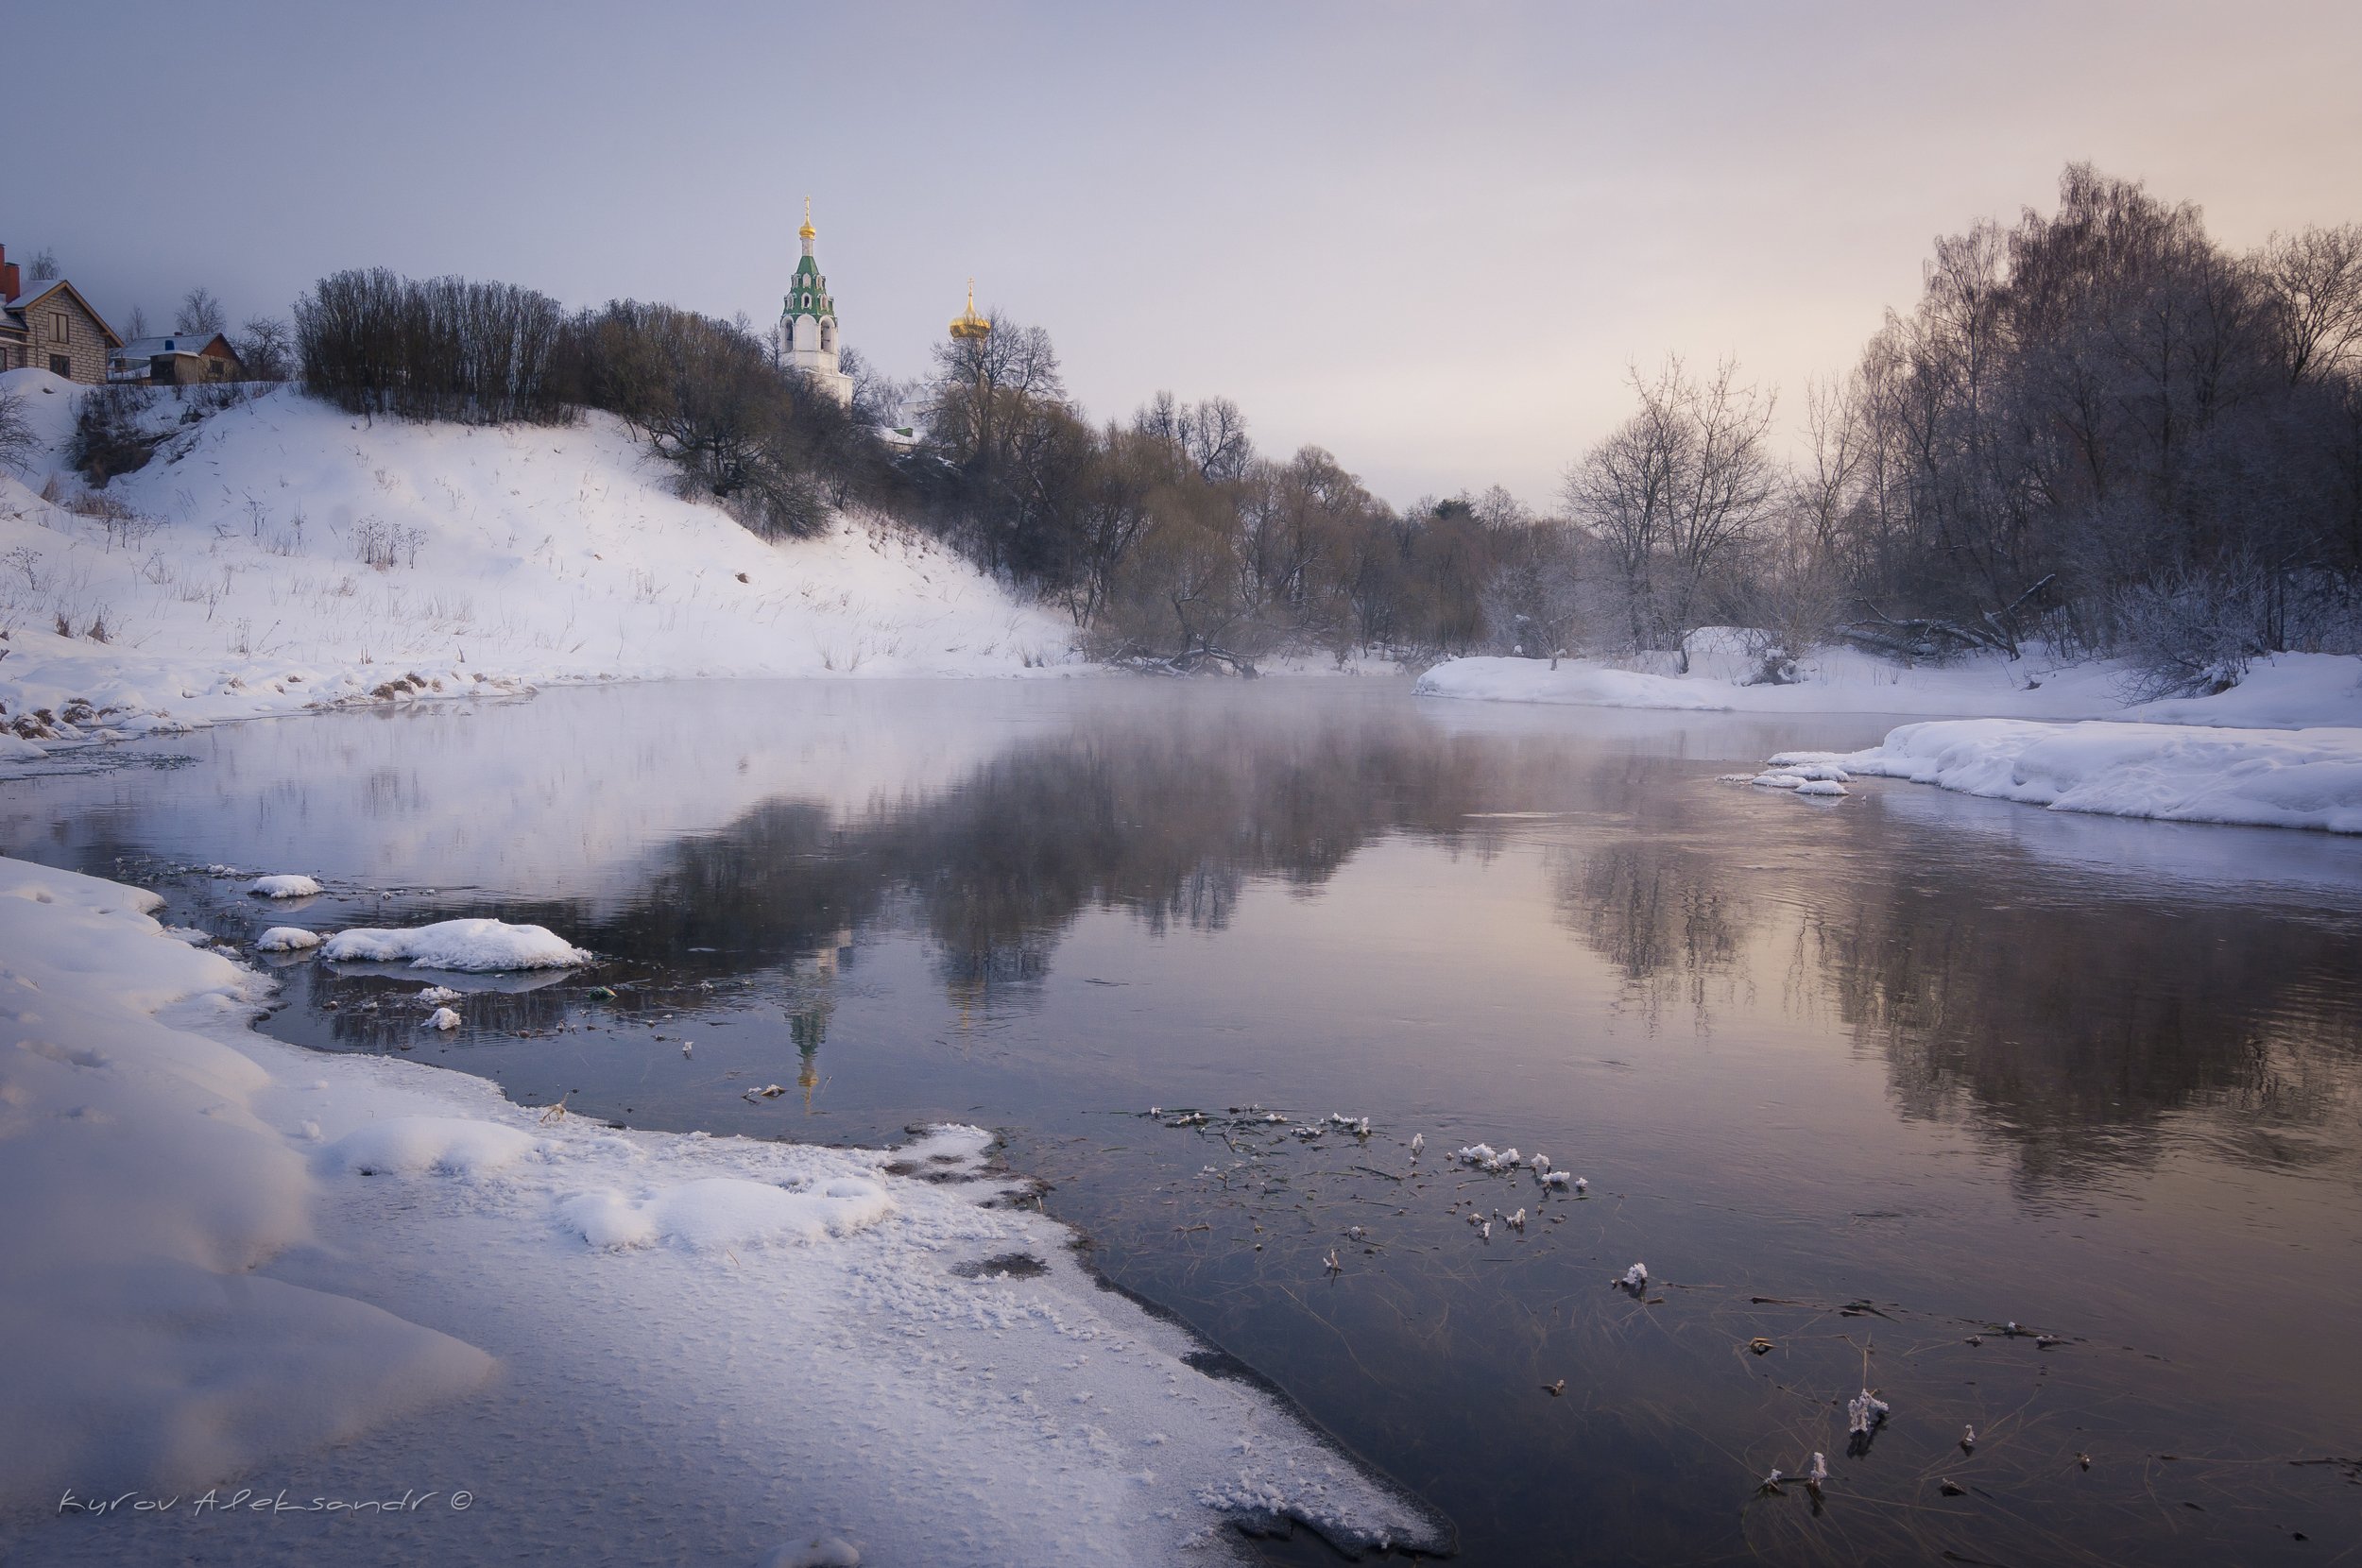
(721, 1211)
(2283, 748)
(461, 945)
(411, 1145)
(2259, 777)
(287, 939)
(2286, 691)
(519, 557)
(236, 1262)
(284, 887)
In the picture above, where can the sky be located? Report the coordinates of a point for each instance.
(1433, 239)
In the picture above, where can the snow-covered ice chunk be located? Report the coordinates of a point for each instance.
(1864, 1411)
(283, 887)
(1825, 786)
(465, 944)
(436, 995)
(415, 1146)
(442, 1017)
(821, 1551)
(287, 939)
(1635, 1277)
(1778, 780)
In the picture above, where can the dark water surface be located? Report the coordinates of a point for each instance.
(1867, 1079)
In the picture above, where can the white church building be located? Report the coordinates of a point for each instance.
(808, 321)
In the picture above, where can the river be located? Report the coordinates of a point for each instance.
(1861, 1082)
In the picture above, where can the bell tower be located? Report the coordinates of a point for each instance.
(808, 321)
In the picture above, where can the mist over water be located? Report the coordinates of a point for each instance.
(1867, 1080)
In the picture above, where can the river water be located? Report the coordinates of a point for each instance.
(1862, 1082)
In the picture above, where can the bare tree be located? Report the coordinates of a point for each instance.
(266, 345)
(200, 312)
(135, 324)
(17, 440)
(2315, 281)
(44, 265)
(1211, 435)
(1674, 492)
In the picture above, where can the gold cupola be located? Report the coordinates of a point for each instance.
(968, 323)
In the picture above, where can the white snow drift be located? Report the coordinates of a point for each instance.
(2261, 777)
(234, 1261)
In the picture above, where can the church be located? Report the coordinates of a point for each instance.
(808, 321)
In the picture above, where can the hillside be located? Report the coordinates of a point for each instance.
(277, 554)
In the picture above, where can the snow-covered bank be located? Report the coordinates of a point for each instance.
(2292, 691)
(234, 1261)
(2177, 773)
(279, 555)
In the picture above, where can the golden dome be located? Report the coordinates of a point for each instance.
(807, 231)
(968, 323)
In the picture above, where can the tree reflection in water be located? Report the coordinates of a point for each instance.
(2068, 1027)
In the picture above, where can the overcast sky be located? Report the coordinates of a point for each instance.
(1428, 237)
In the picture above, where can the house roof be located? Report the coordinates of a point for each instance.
(176, 343)
(41, 286)
(45, 287)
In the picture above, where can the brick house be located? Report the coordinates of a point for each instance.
(51, 327)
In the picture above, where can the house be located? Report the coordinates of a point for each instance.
(49, 326)
(176, 359)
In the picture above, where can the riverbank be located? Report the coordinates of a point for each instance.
(2281, 749)
(239, 1263)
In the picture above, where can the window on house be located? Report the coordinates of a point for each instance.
(56, 328)
(62, 364)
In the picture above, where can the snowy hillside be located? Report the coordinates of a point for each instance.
(279, 553)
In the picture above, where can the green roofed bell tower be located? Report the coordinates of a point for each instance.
(808, 320)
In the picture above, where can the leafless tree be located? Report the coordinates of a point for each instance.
(17, 441)
(266, 345)
(44, 265)
(2315, 281)
(1674, 493)
(200, 312)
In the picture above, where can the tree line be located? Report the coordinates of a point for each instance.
(2096, 427)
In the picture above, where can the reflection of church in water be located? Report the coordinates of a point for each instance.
(811, 1002)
